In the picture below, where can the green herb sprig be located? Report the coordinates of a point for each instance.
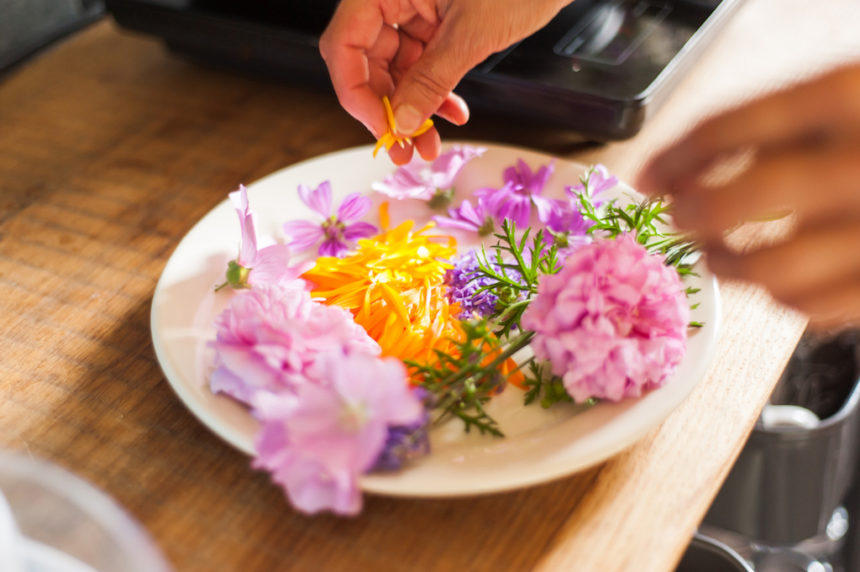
(513, 271)
(464, 380)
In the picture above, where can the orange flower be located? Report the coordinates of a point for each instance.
(394, 286)
(391, 136)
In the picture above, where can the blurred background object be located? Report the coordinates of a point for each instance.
(791, 500)
(599, 68)
(27, 26)
(56, 522)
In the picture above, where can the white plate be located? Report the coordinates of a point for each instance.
(540, 445)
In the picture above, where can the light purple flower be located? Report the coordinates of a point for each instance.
(337, 231)
(269, 265)
(268, 339)
(318, 442)
(597, 180)
(569, 228)
(421, 180)
(612, 322)
(522, 188)
(465, 282)
(480, 218)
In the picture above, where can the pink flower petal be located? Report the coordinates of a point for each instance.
(273, 266)
(248, 248)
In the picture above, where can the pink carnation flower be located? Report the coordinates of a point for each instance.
(269, 337)
(612, 322)
(318, 442)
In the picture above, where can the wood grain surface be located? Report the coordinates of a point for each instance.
(111, 148)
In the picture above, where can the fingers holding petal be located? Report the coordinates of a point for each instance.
(428, 145)
(401, 154)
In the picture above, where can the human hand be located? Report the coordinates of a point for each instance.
(806, 143)
(416, 51)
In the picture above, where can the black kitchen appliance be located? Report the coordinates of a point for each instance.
(599, 68)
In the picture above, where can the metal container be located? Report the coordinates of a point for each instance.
(794, 473)
(705, 554)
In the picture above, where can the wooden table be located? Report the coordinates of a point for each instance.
(110, 149)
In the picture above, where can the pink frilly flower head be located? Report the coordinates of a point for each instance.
(268, 339)
(612, 323)
(317, 442)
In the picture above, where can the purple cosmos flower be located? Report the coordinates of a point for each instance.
(612, 323)
(522, 188)
(268, 338)
(318, 442)
(336, 231)
(269, 265)
(420, 180)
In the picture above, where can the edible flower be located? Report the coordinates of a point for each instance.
(522, 188)
(317, 442)
(268, 339)
(469, 288)
(482, 218)
(391, 136)
(394, 286)
(253, 267)
(612, 323)
(431, 182)
(337, 231)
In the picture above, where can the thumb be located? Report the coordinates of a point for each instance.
(426, 85)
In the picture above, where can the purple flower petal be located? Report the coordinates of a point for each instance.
(332, 247)
(448, 165)
(544, 208)
(446, 222)
(319, 199)
(302, 234)
(358, 230)
(353, 207)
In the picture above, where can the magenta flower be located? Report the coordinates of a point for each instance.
(420, 180)
(612, 322)
(268, 339)
(318, 442)
(269, 265)
(522, 188)
(336, 231)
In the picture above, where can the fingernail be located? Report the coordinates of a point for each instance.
(407, 118)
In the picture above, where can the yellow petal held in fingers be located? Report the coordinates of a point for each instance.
(390, 137)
